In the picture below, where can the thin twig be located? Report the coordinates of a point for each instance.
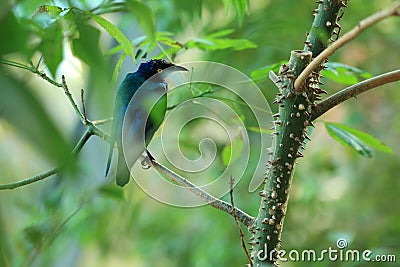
(78, 147)
(353, 91)
(35, 69)
(235, 217)
(83, 104)
(213, 201)
(350, 35)
(100, 122)
(71, 100)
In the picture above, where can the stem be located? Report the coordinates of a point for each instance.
(290, 132)
(353, 91)
(361, 26)
(211, 200)
(72, 101)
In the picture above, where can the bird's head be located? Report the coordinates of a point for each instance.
(154, 66)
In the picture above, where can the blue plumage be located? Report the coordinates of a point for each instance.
(142, 120)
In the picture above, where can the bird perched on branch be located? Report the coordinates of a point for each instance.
(135, 123)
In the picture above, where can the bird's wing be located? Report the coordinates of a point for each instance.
(133, 134)
(130, 143)
(116, 124)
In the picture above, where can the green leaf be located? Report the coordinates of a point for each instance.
(262, 74)
(115, 33)
(356, 139)
(163, 37)
(221, 33)
(52, 11)
(241, 7)
(21, 109)
(215, 42)
(14, 35)
(345, 74)
(118, 68)
(135, 42)
(51, 47)
(86, 47)
(144, 16)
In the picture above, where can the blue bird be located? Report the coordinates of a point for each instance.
(143, 116)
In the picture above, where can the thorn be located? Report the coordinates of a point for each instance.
(308, 123)
(299, 154)
(276, 100)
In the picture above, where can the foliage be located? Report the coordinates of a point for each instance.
(76, 219)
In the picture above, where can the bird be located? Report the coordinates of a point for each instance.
(135, 124)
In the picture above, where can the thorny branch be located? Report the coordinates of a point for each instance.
(347, 37)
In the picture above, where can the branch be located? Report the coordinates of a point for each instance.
(353, 91)
(71, 100)
(213, 201)
(361, 26)
(78, 147)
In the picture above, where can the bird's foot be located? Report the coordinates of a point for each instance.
(148, 159)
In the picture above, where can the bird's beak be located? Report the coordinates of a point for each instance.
(178, 68)
(168, 71)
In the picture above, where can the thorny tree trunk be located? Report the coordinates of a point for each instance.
(291, 126)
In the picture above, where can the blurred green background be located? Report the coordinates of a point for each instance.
(77, 219)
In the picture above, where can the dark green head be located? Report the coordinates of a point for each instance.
(154, 66)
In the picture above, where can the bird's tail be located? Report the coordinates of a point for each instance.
(123, 173)
(109, 159)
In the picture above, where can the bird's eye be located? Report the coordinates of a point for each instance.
(159, 70)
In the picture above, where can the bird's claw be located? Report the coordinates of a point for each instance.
(145, 162)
